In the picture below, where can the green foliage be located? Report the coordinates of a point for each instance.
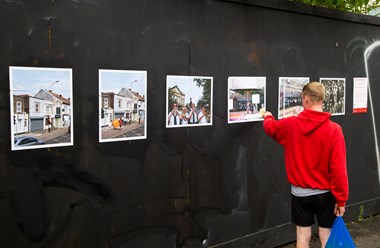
(206, 94)
(361, 213)
(356, 6)
(170, 100)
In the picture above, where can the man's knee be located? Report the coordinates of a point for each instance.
(303, 236)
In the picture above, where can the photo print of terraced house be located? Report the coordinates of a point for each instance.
(122, 105)
(41, 103)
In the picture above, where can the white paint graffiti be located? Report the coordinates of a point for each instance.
(367, 54)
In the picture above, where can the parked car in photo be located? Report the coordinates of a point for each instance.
(27, 141)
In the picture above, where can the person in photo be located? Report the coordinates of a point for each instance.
(193, 115)
(48, 123)
(121, 123)
(248, 107)
(173, 118)
(202, 117)
(315, 161)
(184, 116)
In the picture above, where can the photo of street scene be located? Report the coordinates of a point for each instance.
(122, 105)
(41, 107)
(188, 101)
(335, 95)
(246, 99)
(290, 99)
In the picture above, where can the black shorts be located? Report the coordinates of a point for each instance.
(304, 210)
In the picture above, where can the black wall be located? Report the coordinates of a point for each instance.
(215, 186)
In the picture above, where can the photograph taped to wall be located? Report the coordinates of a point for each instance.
(289, 97)
(335, 95)
(246, 99)
(122, 105)
(360, 95)
(41, 107)
(188, 101)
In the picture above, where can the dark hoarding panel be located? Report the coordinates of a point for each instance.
(217, 185)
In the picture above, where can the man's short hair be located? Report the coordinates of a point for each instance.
(315, 90)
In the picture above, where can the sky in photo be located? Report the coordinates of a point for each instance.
(29, 80)
(187, 86)
(115, 80)
(246, 82)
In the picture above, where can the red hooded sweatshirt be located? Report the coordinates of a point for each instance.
(315, 151)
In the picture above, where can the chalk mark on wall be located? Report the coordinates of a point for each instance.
(367, 54)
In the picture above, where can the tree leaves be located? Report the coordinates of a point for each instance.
(356, 6)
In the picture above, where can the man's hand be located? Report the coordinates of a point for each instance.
(267, 113)
(339, 211)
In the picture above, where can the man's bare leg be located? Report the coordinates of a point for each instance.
(303, 236)
(324, 234)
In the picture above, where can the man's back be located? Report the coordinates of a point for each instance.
(314, 149)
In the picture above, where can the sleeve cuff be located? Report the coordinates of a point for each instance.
(341, 203)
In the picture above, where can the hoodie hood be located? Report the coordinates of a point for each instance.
(309, 120)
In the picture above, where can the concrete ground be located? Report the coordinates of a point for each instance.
(365, 233)
(45, 135)
(110, 132)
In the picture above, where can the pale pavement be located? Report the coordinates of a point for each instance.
(45, 135)
(110, 132)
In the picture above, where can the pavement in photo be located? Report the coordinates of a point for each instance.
(130, 130)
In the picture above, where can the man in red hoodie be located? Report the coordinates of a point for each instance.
(315, 161)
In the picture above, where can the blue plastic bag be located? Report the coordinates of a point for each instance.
(339, 237)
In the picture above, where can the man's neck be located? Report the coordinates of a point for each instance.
(315, 108)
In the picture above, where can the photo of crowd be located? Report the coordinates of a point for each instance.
(189, 101)
(335, 95)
